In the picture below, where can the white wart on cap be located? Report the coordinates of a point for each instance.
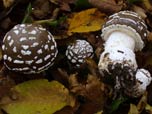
(78, 51)
(28, 48)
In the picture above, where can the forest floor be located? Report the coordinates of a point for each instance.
(64, 88)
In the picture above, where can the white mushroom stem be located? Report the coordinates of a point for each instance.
(120, 48)
(120, 39)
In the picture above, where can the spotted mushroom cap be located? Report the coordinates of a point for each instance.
(128, 22)
(28, 48)
(78, 51)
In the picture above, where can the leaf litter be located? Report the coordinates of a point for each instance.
(63, 88)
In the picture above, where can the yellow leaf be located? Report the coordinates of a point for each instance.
(86, 21)
(133, 109)
(8, 3)
(100, 112)
(39, 97)
(142, 103)
(148, 108)
(147, 4)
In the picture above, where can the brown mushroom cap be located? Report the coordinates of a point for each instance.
(128, 22)
(78, 51)
(28, 48)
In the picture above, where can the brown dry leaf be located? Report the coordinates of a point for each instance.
(92, 91)
(64, 4)
(41, 8)
(86, 21)
(147, 4)
(8, 3)
(94, 88)
(140, 11)
(150, 36)
(65, 7)
(0, 54)
(107, 6)
(61, 76)
(133, 109)
(65, 110)
(6, 23)
(75, 86)
(148, 60)
(92, 66)
(142, 103)
(6, 83)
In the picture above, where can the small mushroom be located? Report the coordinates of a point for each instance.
(29, 48)
(124, 33)
(78, 51)
(143, 79)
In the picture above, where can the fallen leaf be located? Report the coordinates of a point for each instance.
(148, 60)
(86, 21)
(140, 11)
(65, 7)
(65, 110)
(107, 6)
(142, 103)
(100, 112)
(116, 103)
(6, 83)
(64, 4)
(6, 24)
(133, 109)
(148, 109)
(147, 4)
(92, 66)
(41, 9)
(39, 97)
(92, 92)
(0, 54)
(149, 36)
(8, 3)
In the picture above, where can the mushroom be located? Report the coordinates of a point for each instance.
(78, 51)
(124, 33)
(143, 78)
(29, 48)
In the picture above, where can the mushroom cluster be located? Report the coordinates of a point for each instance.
(28, 48)
(124, 33)
(78, 51)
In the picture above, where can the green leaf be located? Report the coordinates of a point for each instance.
(38, 97)
(116, 103)
(52, 22)
(27, 18)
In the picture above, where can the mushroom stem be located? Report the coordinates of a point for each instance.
(124, 33)
(119, 38)
(119, 48)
